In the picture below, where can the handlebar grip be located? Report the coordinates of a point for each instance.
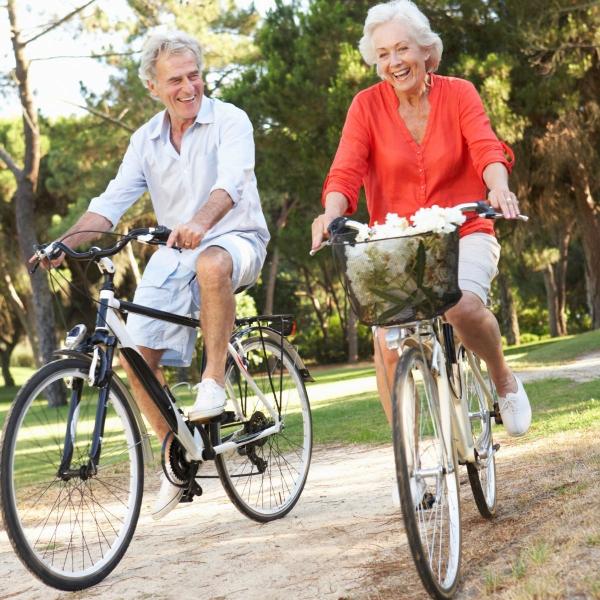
(161, 233)
(338, 225)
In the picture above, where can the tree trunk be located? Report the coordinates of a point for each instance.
(24, 201)
(316, 305)
(271, 281)
(560, 277)
(17, 306)
(552, 300)
(352, 337)
(589, 225)
(5, 365)
(510, 320)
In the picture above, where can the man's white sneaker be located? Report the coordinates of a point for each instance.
(168, 497)
(515, 410)
(210, 401)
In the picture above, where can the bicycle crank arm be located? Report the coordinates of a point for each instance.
(227, 446)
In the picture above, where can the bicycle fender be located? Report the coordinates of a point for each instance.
(146, 448)
(275, 337)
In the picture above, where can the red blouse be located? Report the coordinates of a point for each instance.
(377, 150)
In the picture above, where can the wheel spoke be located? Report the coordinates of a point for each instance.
(275, 467)
(77, 525)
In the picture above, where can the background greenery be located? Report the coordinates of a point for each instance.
(295, 71)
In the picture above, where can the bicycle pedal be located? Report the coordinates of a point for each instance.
(193, 490)
(496, 414)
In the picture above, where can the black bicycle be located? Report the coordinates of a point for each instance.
(72, 472)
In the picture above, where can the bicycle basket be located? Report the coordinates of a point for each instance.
(398, 280)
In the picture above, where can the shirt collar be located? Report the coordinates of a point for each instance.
(160, 126)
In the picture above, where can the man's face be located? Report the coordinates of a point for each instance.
(179, 86)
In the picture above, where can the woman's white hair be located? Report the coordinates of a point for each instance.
(166, 43)
(406, 12)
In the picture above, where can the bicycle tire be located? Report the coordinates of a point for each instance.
(69, 533)
(265, 480)
(426, 469)
(482, 473)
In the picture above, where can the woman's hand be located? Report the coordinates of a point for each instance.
(335, 206)
(319, 229)
(503, 200)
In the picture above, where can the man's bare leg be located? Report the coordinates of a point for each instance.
(144, 402)
(217, 313)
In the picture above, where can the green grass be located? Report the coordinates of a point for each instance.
(558, 404)
(351, 420)
(553, 351)
(563, 405)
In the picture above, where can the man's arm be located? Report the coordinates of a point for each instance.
(190, 234)
(89, 227)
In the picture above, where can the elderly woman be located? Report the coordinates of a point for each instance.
(414, 140)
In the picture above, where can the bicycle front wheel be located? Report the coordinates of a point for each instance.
(427, 476)
(264, 479)
(69, 528)
(482, 472)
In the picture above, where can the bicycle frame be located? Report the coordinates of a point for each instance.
(111, 331)
(455, 419)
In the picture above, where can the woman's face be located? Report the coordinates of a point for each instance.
(400, 60)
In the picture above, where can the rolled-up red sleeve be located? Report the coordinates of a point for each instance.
(484, 147)
(351, 161)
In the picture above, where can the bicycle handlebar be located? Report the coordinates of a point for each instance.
(148, 235)
(481, 207)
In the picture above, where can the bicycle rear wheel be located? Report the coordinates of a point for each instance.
(70, 530)
(482, 473)
(264, 479)
(427, 476)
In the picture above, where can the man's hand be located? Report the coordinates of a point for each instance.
(187, 235)
(48, 264)
(503, 200)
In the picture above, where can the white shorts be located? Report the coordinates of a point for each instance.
(178, 293)
(478, 263)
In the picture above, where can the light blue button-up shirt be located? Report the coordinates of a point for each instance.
(217, 152)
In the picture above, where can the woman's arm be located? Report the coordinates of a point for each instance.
(336, 205)
(501, 198)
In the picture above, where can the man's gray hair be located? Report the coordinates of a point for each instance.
(166, 43)
(406, 12)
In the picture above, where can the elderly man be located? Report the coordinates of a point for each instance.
(196, 159)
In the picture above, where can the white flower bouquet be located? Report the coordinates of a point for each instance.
(399, 272)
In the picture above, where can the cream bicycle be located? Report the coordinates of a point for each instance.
(442, 400)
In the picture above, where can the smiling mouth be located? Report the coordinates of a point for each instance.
(401, 75)
(187, 100)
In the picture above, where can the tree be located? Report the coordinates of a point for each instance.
(26, 178)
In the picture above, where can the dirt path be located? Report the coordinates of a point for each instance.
(345, 540)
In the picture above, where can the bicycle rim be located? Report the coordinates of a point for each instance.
(482, 473)
(70, 532)
(265, 479)
(427, 477)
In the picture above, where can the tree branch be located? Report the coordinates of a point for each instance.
(85, 55)
(104, 116)
(58, 23)
(10, 163)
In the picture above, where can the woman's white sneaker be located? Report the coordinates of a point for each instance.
(515, 410)
(210, 401)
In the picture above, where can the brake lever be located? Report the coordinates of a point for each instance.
(319, 247)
